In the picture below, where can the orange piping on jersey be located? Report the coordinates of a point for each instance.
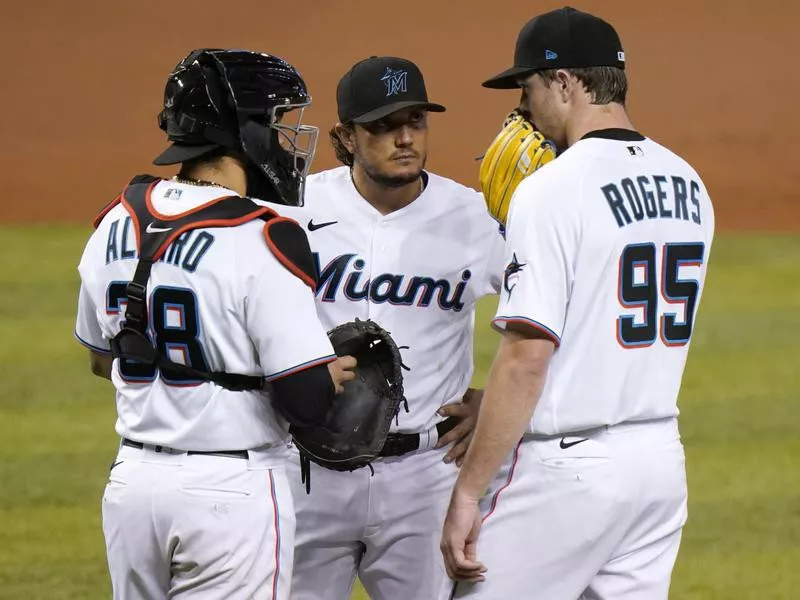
(301, 367)
(105, 211)
(135, 220)
(277, 529)
(531, 323)
(193, 225)
(453, 591)
(177, 216)
(91, 347)
(284, 260)
(496, 497)
(208, 223)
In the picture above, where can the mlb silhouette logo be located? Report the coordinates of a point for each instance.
(635, 151)
(395, 81)
(550, 55)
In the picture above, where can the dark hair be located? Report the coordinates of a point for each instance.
(604, 84)
(343, 155)
(210, 159)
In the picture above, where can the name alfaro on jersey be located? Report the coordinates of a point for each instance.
(345, 272)
(185, 252)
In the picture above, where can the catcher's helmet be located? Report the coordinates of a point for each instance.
(234, 102)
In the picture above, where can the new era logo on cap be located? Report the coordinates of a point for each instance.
(582, 40)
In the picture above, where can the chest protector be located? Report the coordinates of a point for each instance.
(155, 232)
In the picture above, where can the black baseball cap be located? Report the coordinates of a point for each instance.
(561, 39)
(178, 153)
(378, 86)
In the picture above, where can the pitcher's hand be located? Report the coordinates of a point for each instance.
(460, 538)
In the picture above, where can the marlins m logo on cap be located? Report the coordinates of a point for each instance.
(395, 81)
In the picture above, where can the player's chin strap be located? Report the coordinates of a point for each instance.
(132, 342)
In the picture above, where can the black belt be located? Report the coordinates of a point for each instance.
(398, 444)
(224, 453)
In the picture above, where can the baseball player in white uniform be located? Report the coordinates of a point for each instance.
(197, 504)
(607, 248)
(414, 252)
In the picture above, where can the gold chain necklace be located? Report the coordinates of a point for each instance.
(200, 182)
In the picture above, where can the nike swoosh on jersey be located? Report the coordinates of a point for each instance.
(151, 229)
(564, 445)
(313, 227)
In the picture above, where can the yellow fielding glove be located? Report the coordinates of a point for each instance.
(516, 152)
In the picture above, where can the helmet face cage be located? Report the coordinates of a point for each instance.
(264, 89)
(296, 138)
(252, 104)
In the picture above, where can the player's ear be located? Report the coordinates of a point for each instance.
(346, 134)
(566, 83)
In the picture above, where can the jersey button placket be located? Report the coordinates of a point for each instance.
(379, 248)
(382, 241)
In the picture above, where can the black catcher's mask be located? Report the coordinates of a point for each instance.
(245, 104)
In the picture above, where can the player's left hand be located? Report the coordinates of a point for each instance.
(460, 539)
(461, 434)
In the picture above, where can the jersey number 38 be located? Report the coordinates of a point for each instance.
(175, 325)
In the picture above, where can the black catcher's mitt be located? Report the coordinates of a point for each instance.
(358, 421)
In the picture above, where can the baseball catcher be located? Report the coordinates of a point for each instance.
(206, 294)
(517, 151)
(358, 421)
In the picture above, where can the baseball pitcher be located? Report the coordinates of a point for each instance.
(577, 438)
(413, 252)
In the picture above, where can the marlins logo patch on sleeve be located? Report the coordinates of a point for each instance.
(511, 274)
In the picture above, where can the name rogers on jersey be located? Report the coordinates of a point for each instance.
(345, 272)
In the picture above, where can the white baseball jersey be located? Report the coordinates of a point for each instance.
(417, 272)
(219, 297)
(606, 253)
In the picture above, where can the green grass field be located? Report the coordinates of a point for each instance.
(739, 422)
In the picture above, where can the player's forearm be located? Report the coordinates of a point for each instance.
(515, 384)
